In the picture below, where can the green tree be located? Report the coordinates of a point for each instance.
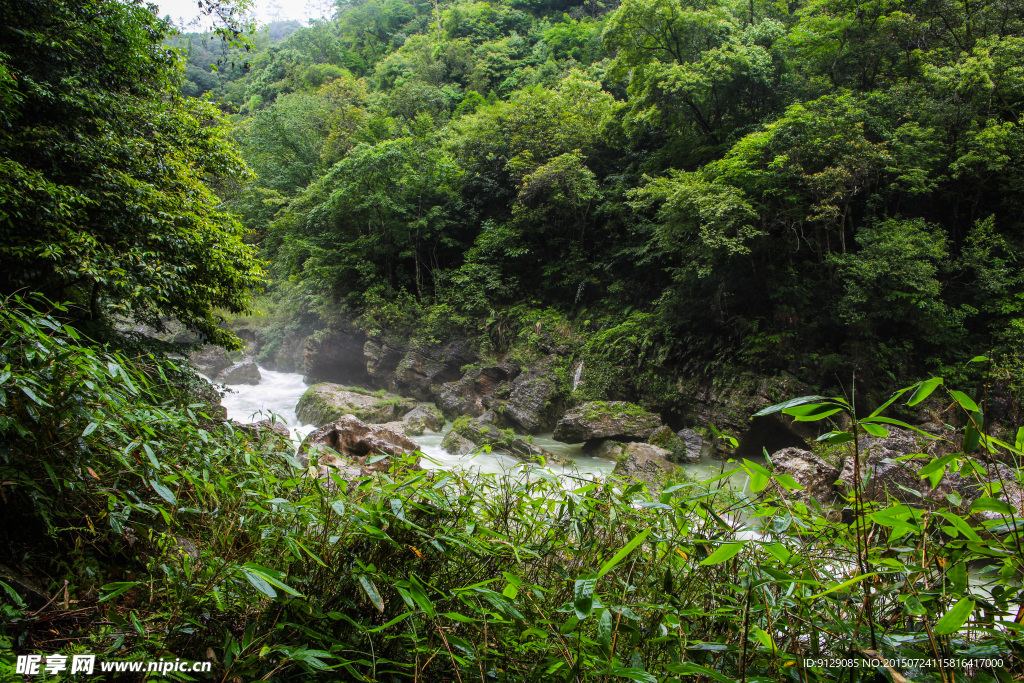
(103, 170)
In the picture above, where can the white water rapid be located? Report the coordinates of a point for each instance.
(279, 392)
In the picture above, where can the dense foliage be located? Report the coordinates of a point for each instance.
(680, 188)
(197, 540)
(105, 171)
(711, 172)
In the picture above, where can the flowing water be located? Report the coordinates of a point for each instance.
(279, 392)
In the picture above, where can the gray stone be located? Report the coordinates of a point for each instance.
(456, 444)
(263, 427)
(287, 356)
(475, 392)
(609, 450)
(424, 418)
(325, 402)
(809, 470)
(335, 356)
(606, 420)
(483, 432)
(884, 476)
(349, 441)
(665, 438)
(210, 360)
(692, 445)
(244, 372)
(644, 463)
(423, 367)
(382, 360)
(531, 405)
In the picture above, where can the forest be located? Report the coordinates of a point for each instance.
(788, 230)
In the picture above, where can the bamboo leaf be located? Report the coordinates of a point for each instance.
(371, 592)
(163, 492)
(964, 400)
(623, 552)
(844, 585)
(726, 551)
(789, 404)
(583, 593)
(924, 390)
(952, 620)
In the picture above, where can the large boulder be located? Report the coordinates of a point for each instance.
(684, 450)
(476, 391)
(210, 360)
(692, 445)
(609, 450)
(425, 366)
(335, 356)
(884, 476)
(817, 476)
(482, 431)
(244, 372)
(423, 418)
(729, 406)
(532, 406)
(266, 434)
(250, 337)
(598, 420)
(326, 402)
(456, 444)
(263, 427)
(644, 462)
(351, 442)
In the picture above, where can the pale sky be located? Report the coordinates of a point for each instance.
(185, 11)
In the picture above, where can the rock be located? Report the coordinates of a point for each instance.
(426, 366)
(263, 427)
(326, 402)
(210, 360)
(884, 476)
(286, 355)
(424, 418)
(531, 404)
(475, 392)
(456, 444)
(692, 446)
(816, 475)
(335, 356)
(609, 450)
(352, 441)
(729, 406)
(664, 437)
(244, 372)
(249, 336)
(483, 432)
(606, 420)
(381, 361)
(645, 463)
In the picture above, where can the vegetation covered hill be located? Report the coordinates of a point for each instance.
(815, 187)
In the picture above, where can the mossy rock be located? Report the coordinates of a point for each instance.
(324, 403)
(597, 420)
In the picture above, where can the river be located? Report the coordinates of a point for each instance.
(279, 392)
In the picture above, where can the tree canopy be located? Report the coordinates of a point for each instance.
(107, 171)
